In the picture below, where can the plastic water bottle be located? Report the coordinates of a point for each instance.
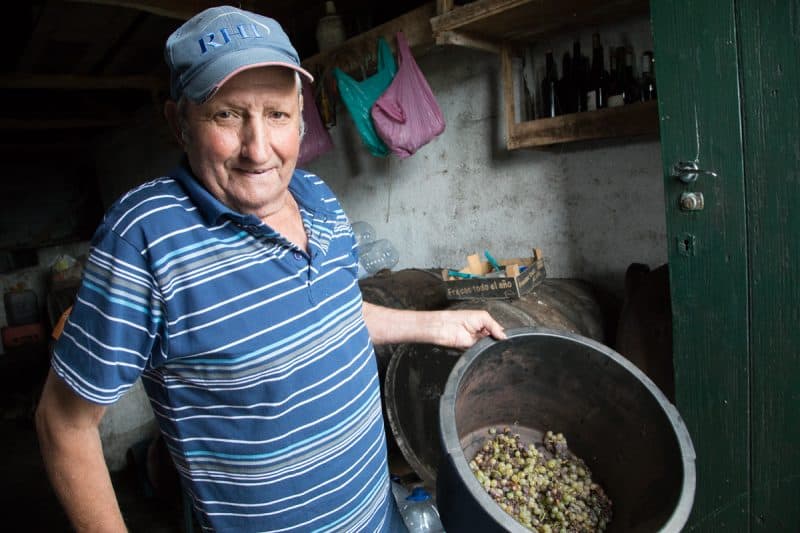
(378, 255)
(399, 491)
(420, 514)
(364, 232)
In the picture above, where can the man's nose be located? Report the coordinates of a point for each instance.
(256, 141)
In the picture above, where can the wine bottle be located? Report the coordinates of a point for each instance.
(567, 91)
(648, 81)
(597, 96)
(631, 90)
(580, 75)
(550, 87)
(615, 83)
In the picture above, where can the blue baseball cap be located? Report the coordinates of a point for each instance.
(218, 43)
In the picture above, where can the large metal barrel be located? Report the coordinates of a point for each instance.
(412, 288)
(644, 331)
(417, 373)
(613, 416)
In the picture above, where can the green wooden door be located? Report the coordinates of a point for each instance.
(729, 75)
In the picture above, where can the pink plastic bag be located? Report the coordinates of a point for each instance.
(406, 116)
(317, 140)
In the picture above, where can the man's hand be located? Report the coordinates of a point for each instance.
(453, 329)
(463, 328)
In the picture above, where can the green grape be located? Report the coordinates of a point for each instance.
(546, 488)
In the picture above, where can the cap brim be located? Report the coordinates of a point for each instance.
(216, 73)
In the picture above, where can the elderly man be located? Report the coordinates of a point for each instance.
(230, 287)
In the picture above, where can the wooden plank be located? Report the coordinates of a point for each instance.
(443, 6)
(63, 123)
(96, 58)
(509, 99)
(770, 76)
(625, 121)
(475, 265)
(527, 20)
(47, 21)
(353, 54)
(708, 251)
(176, 9)
(461, 39)
(79, 82)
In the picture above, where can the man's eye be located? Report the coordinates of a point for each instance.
(224, 115)
(278, 115)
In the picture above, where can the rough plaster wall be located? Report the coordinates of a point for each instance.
(592, 208)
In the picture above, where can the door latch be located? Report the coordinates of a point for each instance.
(691, 201)
(688, 171)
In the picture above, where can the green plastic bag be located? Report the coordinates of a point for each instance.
(359, 96)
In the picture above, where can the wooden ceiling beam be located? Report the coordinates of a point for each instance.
(47, 20)
(175, 9)
(18, 124)
(96, 57)
(80, 82)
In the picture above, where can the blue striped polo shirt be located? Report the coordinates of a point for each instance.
(253, 352)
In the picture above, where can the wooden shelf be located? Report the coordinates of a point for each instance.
(507, 26)
(526, 21)
(625, 121)
(351, 55)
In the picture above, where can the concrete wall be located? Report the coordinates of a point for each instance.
(593, 208)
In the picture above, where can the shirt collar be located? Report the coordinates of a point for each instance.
(212, 210)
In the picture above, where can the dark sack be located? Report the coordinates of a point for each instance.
(358, 97)
(406, 116)
(317, 140)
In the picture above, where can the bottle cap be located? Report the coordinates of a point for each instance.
(419, 494)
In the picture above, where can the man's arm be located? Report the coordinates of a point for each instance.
(73, 457)
(454, 329)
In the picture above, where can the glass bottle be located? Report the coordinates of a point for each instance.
(580, 75)
(616, 87)
(631, 91)
(597, 96)
(567, 90)
(648, 81)
(550, 87)
(330, 28)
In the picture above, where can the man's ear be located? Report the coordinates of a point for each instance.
(171, 114)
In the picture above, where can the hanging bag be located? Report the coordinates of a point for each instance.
(359, 96)
(406, 116)
(317, 140)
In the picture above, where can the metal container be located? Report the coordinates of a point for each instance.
(613, 416)
(417, 373)
(411, 288)
(22, 307)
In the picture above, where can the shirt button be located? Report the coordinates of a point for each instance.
(298, 256)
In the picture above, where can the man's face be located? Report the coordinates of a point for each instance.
(243, 143)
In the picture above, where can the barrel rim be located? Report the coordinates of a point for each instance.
(421, 469)
(451, 445)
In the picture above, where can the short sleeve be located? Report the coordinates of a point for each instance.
(115, 322)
